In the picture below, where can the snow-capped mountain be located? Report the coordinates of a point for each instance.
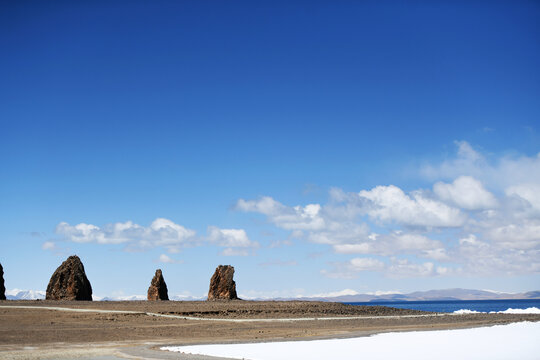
(18, 294)
(446, 294)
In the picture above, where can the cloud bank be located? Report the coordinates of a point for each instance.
(480, 217)
(161, 233)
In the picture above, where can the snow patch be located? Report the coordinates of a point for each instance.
(531, 310)
(466, 311)
(513, 341)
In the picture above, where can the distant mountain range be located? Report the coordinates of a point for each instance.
(16, 294)
(431, 295)
(143, 297)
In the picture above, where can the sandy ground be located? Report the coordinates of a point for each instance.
(39, 333)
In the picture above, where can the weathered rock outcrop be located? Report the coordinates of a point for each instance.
(69, 282)
(2, 288)
(222, 285)
(158, 288)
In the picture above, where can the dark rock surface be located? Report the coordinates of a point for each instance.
(222, 285)
(158, 288)
(69, 282)
(2, 288)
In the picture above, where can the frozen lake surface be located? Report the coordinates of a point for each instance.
(513, 341)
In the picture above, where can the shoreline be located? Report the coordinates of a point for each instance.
(292, 319)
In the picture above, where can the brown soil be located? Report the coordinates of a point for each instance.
(235, 309)
(39, 327)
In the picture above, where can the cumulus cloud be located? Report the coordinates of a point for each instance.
(465, 192)
(366, 264)
(384, 292)
(229, 237)
(395, 243)
(340, 232)
(290, 218)
(390, 203)
(396, 268)
(161, 233)
(403, 268)
(54, 248)
(481, 215)
(529, 192)
(497, 172)
(485, 257)
(467, 162)
(522, 236)
(352, 268)
(163, 258)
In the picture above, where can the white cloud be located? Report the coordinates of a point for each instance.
(482, 231)
(384, 292)
(395, 243)
(83, 233)
(391, 204)
(485, 257)
(229, 237)
(350, 269)
(506, 227)
(478, 215)
(439, 254)
(498, 173)
(265, 205)
(163, 258)
(523, 236)
(340, 233)
(465, 192)
(397, 268)
(54, 248)
(289, 218)
(529, 192)
(467, 162)
(403, 268)
(48, 245)
(344, 292)
(366, 264)
(161, 233)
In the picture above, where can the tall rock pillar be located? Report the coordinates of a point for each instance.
(2, 287)
(222, 285)
(158, 288)
(69, 282)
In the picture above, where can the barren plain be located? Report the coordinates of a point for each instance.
(135, 329)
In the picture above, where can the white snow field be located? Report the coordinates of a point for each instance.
(513, 341)
(531, 310)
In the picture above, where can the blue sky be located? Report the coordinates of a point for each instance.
(315, 146)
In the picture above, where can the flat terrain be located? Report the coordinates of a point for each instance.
(38, 329)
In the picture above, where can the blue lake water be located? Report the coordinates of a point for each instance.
(450, 306)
